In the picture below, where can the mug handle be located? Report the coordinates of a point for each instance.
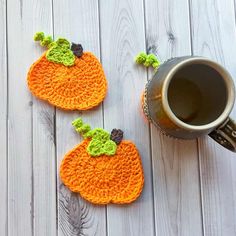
(225, 134)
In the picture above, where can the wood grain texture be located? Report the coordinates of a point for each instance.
(20, 194)
(32, 201)
(213, 34)
(3, 119)
(122, 37)
(175, 163)
(44, 162)
(190, 186)
(79, 22)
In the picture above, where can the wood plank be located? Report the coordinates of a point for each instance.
(122, 37)
(213, 34)
(20, 194)
(79, 22)
(3, 120)
(32, 185)
(44, 157)
(175, 163)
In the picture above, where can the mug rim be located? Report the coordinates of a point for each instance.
(230, 94)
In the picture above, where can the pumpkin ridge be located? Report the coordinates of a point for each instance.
(83, 185)
(65, 76)
(95, 84)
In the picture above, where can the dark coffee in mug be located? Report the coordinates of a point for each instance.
(197, 95)
(192, 96)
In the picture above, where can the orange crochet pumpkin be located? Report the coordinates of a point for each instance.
(68, 79)
(105, 178)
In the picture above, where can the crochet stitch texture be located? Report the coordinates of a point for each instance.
(100, 139)
(65, 80)
(79, 87)
(106, 178)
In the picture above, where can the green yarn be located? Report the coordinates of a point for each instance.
(84, 129)
(100, 143)
(46, 41)
(77, 123)
(63, 43)
(81, 127)
(97, 148)
(141, 58)
(109, 147)
(39, 36)
(155, 65)
(58, 51)
(100, 134)
(61, 53)
(147, 60)
(89, 134)
(151, 58)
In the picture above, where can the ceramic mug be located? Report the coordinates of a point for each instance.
(192, 96)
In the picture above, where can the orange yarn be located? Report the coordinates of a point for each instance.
(104, 179)
(78, 87)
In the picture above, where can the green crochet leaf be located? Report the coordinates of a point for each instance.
(109, 148)
(63, 43)
(100, 134)
(61, 53)
(95, 148)
(58, 51)
(100, 143)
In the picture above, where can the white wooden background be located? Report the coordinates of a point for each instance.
(190, 186)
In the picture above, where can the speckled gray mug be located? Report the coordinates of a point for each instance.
(192, 96)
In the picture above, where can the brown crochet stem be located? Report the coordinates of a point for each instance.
(117, 136)
(77, 49)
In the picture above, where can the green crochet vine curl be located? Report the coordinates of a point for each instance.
(58, 51)
(147, 60)
(100, 143)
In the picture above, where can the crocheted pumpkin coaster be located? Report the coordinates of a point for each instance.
(103, 168)
(67, 77)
